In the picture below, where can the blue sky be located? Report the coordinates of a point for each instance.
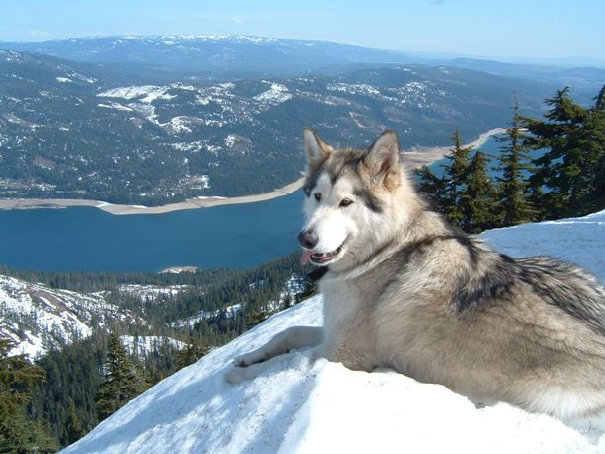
(512, 28)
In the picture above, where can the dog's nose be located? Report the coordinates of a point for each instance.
(307, 239)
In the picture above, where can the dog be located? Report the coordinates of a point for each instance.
(404, 290)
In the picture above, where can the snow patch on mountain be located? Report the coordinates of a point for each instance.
(147, 93)
(37, 317)
(144, 345)
(152, 292)
(354, 89)
(277, 94)
(229, 312)
(116, 106)
(296, 405)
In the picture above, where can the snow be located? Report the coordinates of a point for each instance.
(145, 345)
(36, 317)
(231, 140)
(196, 145)
(277, 94)
(152, 292)
(296, 405)
(576, 240)
(149, 93)
(116, 106)
(179, 124)
(229, 312)
(354, 89)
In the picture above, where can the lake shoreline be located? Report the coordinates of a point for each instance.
(122, 209)
(412, 158)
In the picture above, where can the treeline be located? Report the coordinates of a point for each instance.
(80, 384)
(565, 177)
(68, 391)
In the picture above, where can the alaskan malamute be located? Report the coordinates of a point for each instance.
(404, 290)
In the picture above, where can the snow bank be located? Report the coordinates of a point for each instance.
(299, 406)
(576, 240)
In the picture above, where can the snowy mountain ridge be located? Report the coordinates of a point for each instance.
(37, 317)
(300, 406)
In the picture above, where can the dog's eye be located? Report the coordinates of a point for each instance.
(345, 202)
(317, 196)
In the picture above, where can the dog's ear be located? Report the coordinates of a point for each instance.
(382, 160)
(316, 149)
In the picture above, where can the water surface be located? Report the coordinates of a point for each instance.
(86, 238)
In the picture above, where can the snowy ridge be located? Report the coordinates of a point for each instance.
(37, 317)
(277, 94)
(300, 406)
(222, 104)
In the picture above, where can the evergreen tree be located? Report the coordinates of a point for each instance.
(120, 380)
(464, 193)
(432, 186)
(19, 434)
(595, 197)
(564, 179)
(193, 351)
(74, 427)
(515, 206)
(72, 376)
(478, 198)
(454, 181)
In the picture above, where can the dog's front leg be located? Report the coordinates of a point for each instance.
(291, 338)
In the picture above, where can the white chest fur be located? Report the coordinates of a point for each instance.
(349, 328)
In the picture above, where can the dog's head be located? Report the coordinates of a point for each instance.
(347, 195)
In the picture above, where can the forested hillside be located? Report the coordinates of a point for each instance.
(176, 318)
(84, 129)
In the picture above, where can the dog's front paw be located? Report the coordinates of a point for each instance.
(243, 369)
(247, 359)
(242, 361)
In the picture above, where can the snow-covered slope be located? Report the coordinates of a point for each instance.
(37, 317)
(304, 407)
(577, 240)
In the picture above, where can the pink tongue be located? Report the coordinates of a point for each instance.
(306, 255)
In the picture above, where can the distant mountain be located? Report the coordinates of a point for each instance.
(248, 56)
(222, 55)
(37, 317)
(134, 120)
(585, 81)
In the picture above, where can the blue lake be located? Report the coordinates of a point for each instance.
(89, 239)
